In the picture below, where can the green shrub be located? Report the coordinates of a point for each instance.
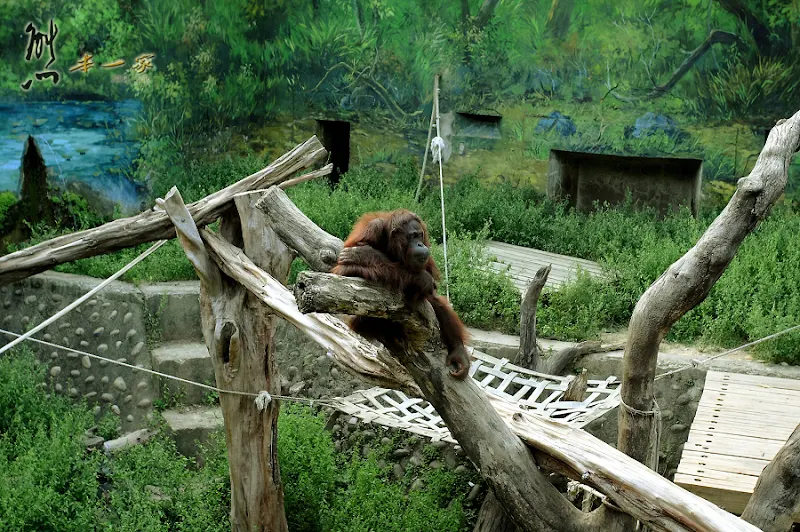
(306, 456)
(47, 479)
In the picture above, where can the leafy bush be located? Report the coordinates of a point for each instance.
(47, 480)
(306, 456)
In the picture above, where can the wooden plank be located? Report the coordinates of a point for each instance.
(780, 432)
(738, 481)
(511, 248)
(715, 491)
(746, 419)
(759, 393)
(720, 462)
(534, 263)
(744, 446)
(759, 380)
(742, 404)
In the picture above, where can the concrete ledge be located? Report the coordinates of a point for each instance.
(189, 361)
(192, 425)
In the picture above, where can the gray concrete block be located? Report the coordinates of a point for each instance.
(176, 309)
(192, 425)
(189, 361)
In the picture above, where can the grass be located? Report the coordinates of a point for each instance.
(49, 481)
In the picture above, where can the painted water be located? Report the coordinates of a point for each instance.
(84, 145)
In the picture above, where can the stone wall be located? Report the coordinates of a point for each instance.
(112, 325)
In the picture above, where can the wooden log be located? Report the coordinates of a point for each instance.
(239, 333)
(529, 354)
(136, 437)
(688, 280)
(150, 225)
(318, 248)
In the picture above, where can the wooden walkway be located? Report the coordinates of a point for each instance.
(741, 423)
(525, 262)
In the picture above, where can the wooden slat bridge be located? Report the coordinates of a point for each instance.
(524, 263)
(741, 423)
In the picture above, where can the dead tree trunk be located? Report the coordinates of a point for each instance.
(529, 355)
(239, 333)
(776, 500)
(687, 282)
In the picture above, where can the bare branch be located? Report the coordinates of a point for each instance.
(687, 282)
(317, 248)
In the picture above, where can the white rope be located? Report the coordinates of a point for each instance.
(437, 148)
(262, 398)
(696, 363)
(83, 298)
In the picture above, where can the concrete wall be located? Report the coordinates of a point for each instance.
(660, 183)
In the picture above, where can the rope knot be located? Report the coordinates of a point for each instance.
(437, 148)
(262, 400)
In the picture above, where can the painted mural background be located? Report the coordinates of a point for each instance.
(699, 78)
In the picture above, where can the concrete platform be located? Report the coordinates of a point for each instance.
(192, 425)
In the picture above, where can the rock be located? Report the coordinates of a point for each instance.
(435, 465)
(400, 453)
(398, 472)
(683, 399)
(650, 124)
(107, 397)
(386, 441)
(415, 461)
(417, 485)
(292, 372)
(555, 121)
(460, 469)
(297, 388)
(86, 362)
(55, 371)
(119, 384)
(473, 493)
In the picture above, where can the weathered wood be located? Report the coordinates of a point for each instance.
(492, 517)
(150, 225)
(576, 388)
(136, 437)
(686, 282)
(352, 352)
(529, 354)
(351, 297)
(239, 333)
(776, 499)
(636, 489)
(318, 248)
